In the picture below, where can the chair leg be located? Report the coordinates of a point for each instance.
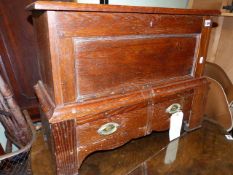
(8, 146)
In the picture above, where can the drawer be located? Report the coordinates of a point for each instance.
(161, 119)
(130, 125)
(133, 121)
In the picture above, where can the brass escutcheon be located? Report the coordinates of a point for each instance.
(174, 108)
(108, 128)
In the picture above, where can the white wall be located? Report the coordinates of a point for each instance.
(3, 139)
(155, 3)
(2, 136)
(88, 1)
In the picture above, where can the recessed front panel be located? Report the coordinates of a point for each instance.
(112, 65)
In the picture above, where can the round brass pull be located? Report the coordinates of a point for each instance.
(174, 108)
(108, 128)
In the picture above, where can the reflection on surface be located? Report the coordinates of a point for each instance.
(124, 159)
(205, 151)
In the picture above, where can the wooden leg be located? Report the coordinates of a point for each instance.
(64, 147)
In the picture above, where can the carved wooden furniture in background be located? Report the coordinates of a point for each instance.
(19, 132)
(109, 73)
(12, 118)
(18, 63)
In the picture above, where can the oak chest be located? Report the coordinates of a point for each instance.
(112, 73)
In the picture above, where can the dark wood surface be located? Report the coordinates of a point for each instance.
(18, 62)
(123, 66)
(111, 64)
(130, 24)
(205, 151)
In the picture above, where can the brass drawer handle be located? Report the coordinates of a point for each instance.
(108, 128)
(176, 107)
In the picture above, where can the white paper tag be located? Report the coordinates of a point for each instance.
(171, 152)
(175, 125)
(208, 23)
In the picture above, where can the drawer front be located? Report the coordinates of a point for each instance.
(140, 120)
(130, 125)
(161, 119)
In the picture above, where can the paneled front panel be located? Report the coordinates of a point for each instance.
(113, 50)
(110, 65)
